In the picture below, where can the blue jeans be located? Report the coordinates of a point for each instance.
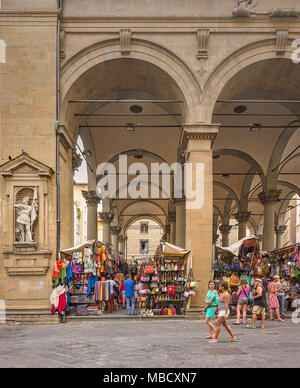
(130, 304)
(281, 303)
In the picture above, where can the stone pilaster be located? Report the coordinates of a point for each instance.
(172, 221)
(197, 144)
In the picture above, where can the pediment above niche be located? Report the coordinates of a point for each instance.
(25, 165)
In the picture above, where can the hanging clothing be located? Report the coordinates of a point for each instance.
(69, 274)
(58, 299)
(91, 284)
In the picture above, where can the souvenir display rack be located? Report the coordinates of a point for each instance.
(165, 284)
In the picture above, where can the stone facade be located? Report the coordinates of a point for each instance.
(200, 62)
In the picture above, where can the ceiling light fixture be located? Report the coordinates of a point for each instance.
(225, 176)
(136, 109)
(240, 109)
(256, 127)
(216, 156)
(130, 127)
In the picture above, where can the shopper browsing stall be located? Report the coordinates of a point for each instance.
(129, 294)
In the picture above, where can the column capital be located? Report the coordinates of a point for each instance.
(90, 197)
(225, 228)
(269, 196)
(106, 218)
(199, 132)
(122, 238)
(115, 230)
(280, 229)
(242, 217)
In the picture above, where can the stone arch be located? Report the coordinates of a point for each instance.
(142, 50)
(142, 201)
(143, 217)
(235, 62)
(242, 155)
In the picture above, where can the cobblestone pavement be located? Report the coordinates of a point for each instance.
(150, 344)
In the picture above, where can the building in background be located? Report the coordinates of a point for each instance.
(143, 237)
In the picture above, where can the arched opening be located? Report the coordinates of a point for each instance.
(256, 146)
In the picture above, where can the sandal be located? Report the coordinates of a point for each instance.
(208, 337)
(236, 323)
(213, 340)
(233, 339)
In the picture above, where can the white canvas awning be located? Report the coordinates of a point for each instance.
(235, 248)
(78, 248)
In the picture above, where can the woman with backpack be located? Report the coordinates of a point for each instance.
(243, 294)
(223, 313)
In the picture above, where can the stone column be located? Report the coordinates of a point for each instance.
(180, 222)
(92, 201)
(225, 230)
(242, 218)
(260, 239)
(115, 230)
(280, 230)
(269, 198)
(121, 239)
(106, 218)
(197, 143)
(168, 232)
(172, 220)
(215, 228)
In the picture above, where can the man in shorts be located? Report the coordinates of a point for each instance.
(259, 306)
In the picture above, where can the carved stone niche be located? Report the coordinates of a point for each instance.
(27, 216)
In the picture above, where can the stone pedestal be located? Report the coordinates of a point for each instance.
(269, 198)
(197, 142)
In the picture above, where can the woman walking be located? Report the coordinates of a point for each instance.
(274, 302)
(242, 293)
(223, 306)
(211, 304)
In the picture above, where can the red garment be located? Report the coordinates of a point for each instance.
(62, 304)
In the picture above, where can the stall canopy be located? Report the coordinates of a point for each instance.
(170, 250)
(78, 248)
(235, 248)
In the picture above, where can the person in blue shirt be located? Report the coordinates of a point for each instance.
(129, 294)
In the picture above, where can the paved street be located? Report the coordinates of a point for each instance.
(147, 344)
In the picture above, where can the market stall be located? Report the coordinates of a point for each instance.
(83, 272)
(165, 282)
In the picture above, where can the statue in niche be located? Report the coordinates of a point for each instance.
(26, 214)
